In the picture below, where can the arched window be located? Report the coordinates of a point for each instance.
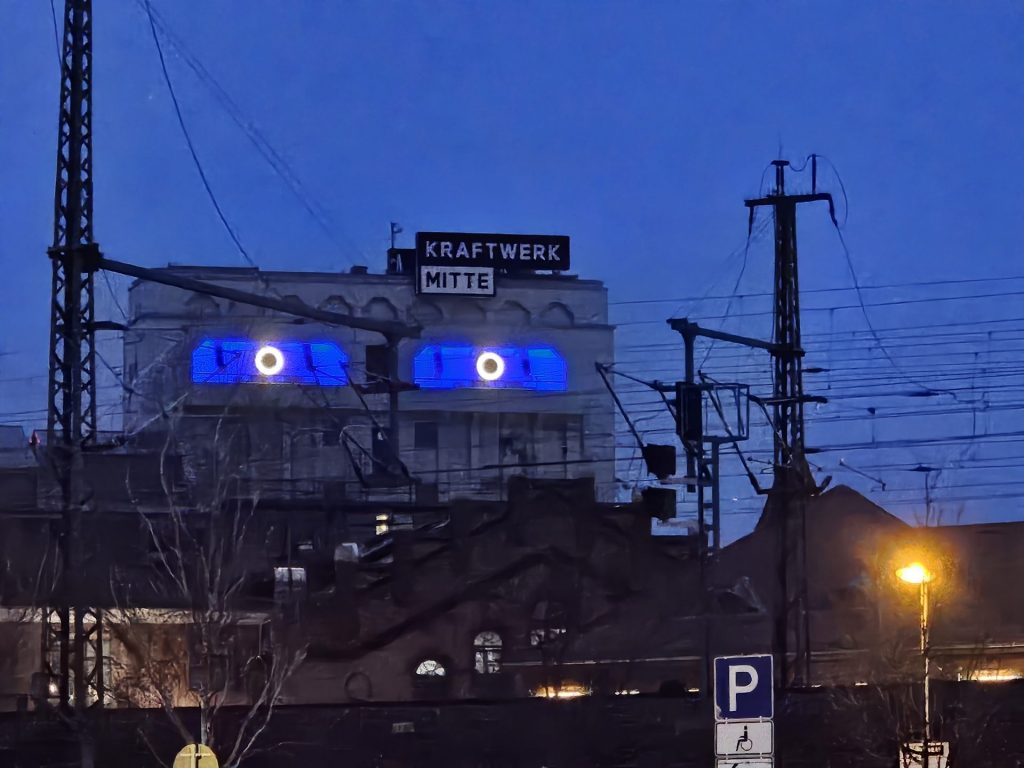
(380, 309)
(487, 653)
(336, 304)
(430, 668)
(557, 314)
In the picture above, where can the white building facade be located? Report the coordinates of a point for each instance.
(504, 385)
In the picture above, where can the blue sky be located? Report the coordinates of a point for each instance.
(634, 127)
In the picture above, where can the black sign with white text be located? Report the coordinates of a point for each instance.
(508, 253)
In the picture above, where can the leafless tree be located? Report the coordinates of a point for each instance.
(16, 623)
(206, 646)
(890, 707)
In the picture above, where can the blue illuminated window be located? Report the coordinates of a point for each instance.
(455, 366)
(234, 361)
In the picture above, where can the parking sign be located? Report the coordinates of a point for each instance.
(744, 688)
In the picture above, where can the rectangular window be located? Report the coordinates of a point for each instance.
(517, 438)
(376, 361)
(425, 436)
(289, 584)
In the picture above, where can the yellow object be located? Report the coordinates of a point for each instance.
(915, 573)
(997, 675)
(196, 756)
(564, 691)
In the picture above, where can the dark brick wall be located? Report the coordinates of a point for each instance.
(823, 728)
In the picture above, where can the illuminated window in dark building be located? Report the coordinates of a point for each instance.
(430, 668)
(289, 585)
(487, 653)
(549, 621)
(383, 523)
(539, 637)
(290, 578)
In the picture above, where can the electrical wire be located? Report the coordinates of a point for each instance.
(259, 141)
(735, 287)
(857, 288)
(860, 295)
(834, 289)
(113, 295)
(737, 253)
(842, 188)
(860, 305)
(191, 146)
(56, 37)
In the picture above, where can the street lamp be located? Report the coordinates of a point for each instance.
(918, 574)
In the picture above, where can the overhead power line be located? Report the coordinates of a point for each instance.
(837, 307)
(266, 150)
(191, 145)
(836, 289)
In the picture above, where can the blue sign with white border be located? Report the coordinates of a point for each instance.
(744, 688)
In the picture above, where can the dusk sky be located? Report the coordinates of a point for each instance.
(636, 128)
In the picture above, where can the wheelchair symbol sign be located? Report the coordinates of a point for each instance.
(737, 739)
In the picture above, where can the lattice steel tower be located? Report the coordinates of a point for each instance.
(793, 482)
(72, 632)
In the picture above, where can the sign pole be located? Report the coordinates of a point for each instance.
(744, 701)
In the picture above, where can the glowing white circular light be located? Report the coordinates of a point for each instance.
(490, 366)
(269, 360)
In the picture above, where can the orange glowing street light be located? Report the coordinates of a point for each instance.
(917, 574)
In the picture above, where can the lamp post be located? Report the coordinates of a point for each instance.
(916, 573)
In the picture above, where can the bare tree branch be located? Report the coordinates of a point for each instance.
(199, 568)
